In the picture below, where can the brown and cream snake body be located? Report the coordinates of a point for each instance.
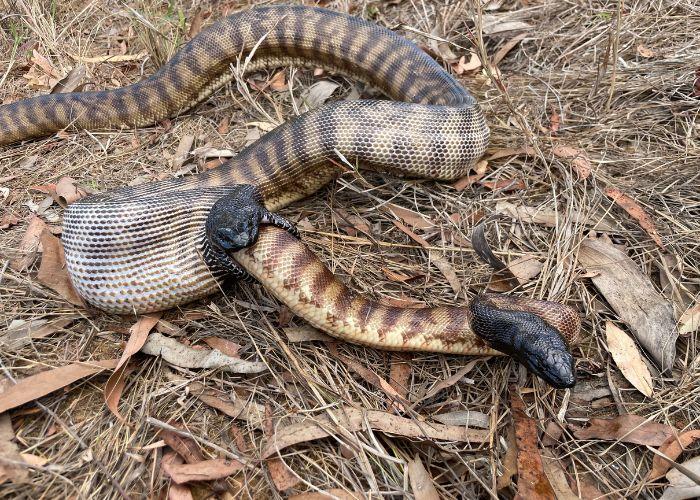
(140, 249)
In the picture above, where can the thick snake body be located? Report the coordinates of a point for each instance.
(144, 248)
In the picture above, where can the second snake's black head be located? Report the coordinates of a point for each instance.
(234, 220)
(527, 338)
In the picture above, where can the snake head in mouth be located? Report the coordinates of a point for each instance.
(526, 336)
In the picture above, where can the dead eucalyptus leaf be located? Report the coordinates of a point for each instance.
(633, 297)
(628, 359)
(628, 429)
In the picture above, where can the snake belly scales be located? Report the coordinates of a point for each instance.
(143, 248)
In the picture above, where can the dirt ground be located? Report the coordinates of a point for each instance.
(593, 108)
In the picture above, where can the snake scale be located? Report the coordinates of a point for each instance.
(155, 246)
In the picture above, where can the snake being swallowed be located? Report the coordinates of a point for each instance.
(155, 246)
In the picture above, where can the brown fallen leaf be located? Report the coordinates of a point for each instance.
(525, 268)
(680, 485)
(505, 152)
(635, 210)
(138, 333)
(532, 480)
(282, 476)
(42, 74)
(672, 448)
(332, 493)
(550, 217)
(41, 384)
(645, 52)
(689, 320)
(251, 412)
(72, 82)
(462, 65)
(578, 159)
(175, 491)
(466, 181)
(306, 333)
(628, 429)
(20, 332)
(554, 122)
(628, 359)
(226, 346)
(182, 152)
(353, 420)
(633, 297)
(68, 192)
(197, 22)
(435, 258)
(186, 447)
(111, 58)
(206, 470)
(421, 481)
(52, 271)
(8, 220)
(506, 48)
(557, 476)
(184, 356)
(29, 244)
(505, 185)
(400, 372)
(11, 468)
(451, 380)
(278, 82)
(468, 418)
(413, 219)
(369, 376)
(510, 461)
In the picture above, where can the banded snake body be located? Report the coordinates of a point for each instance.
(155, 246)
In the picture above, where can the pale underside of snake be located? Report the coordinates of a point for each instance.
(156, 246)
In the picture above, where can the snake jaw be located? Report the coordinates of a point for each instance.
(528, 338)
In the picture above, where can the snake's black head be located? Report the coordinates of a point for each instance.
(527, 338)
(234, 220)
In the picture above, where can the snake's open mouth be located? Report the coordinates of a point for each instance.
(525, 336)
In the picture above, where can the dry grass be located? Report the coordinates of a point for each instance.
(634, 116)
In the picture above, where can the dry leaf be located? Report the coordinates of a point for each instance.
(186, 447)
(29, 244)
(41, 384)
(532, 481)
(689, 320)
(9, 451)
(578, 159)
(452, 380)
(278, 82)
(633, 297)
(554, 122)
(506, 152)
(400, 372)
(306, 333)
(249, 411)
(466, 181)
(335, 493)
(462, 66)
(52, 271)
(628, 359)
(645, 52)
(413, 219)
(138, 333)
(681, 486)
(467, 418)
(8, 220)
(183, 356)
(283, 477)
(182, 152)
(196, 23)
(498, 23)
(507, 47)
(636, 211)
(525, 268)
(72, 82)
(369, 376)
(628, 429)
(549, 216)
(510, 461)
(672, 448)
(67, 191)
(319, 93)
(354, 420)
(227, 347)
(505, 185)
(421, 482)
(206, 470)
(557, 476)
(114, 58)
(20, 332)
